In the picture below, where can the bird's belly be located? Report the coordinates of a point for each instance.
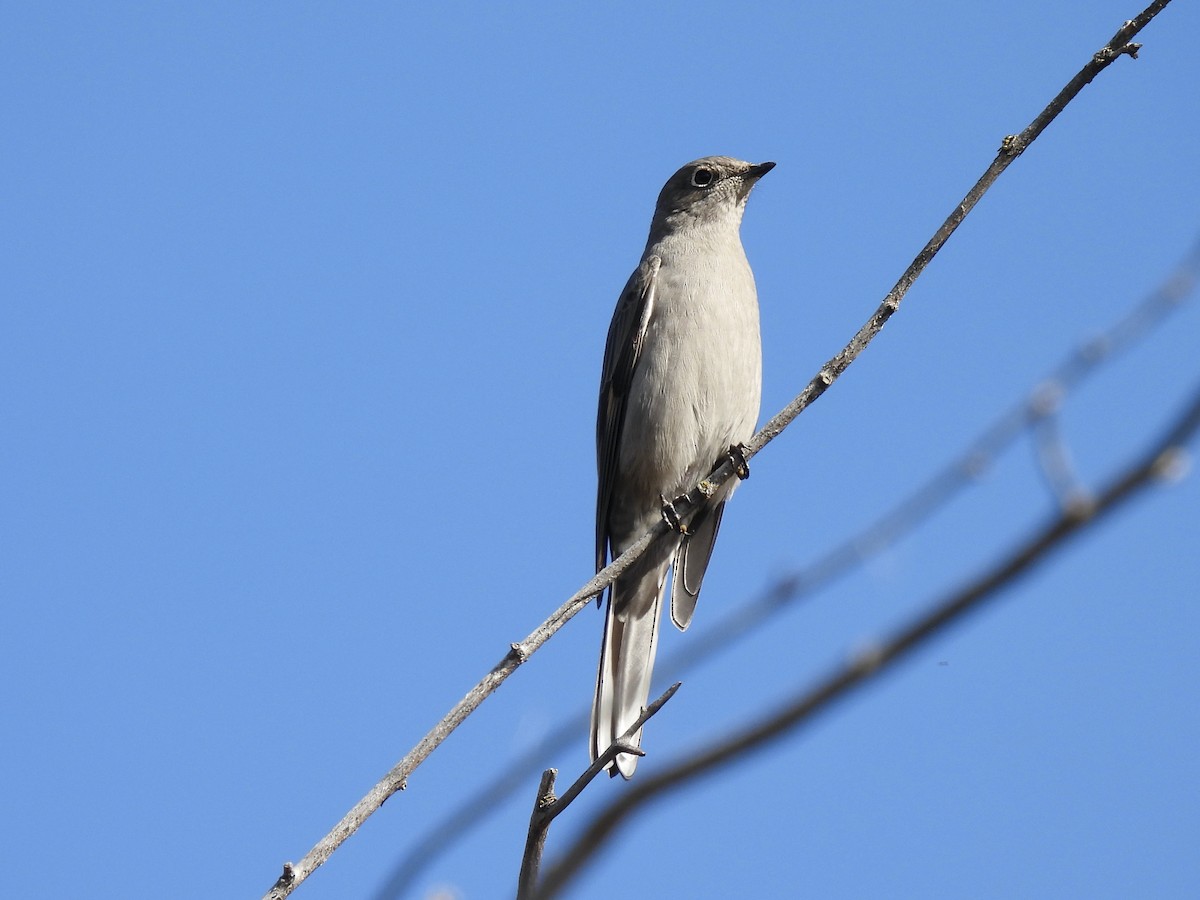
(696, 391)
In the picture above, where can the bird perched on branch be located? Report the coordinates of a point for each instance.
(679, 391)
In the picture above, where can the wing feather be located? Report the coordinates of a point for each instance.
(621, 353)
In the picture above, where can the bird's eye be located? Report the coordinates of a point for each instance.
(702, 178)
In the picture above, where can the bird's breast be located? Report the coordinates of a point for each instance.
(698, 381)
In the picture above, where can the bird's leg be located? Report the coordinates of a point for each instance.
(737, 455)
(671, 516)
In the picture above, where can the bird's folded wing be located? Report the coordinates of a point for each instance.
(621, 353)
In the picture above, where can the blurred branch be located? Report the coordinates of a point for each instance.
(546, 807)
(397, 778)
(1054, 462)
(896, 523)
(1161, 460)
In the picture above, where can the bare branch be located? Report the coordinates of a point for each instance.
(547, 807)
(623, 744)
(535, 842)
(1160, 461)
(396, 779)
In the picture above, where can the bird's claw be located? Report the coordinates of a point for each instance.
(671, 516)
(737, 455)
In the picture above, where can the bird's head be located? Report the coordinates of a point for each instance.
(713, 189)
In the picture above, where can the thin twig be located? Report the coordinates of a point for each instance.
(396, 779)
(1160, 460)
(547, 807)
(1058, 471)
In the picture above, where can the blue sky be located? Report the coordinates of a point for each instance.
(304, 310)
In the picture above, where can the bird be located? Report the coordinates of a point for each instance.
(680, 388)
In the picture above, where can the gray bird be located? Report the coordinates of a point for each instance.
(679, 389)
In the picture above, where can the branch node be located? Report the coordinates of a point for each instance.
(1079, 506)
(1177, 289)
(976, 465)
(1172, 464)
(825, 377)
(1011, 145)
(1110, 53)
(1046, 399)
(1095, 349)
(518, 652)
(283, 886)
(547, 798)
(623, 746)
(867, 659)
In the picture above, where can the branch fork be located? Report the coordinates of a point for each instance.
(547, 807)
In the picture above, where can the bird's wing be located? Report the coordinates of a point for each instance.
(625, 336)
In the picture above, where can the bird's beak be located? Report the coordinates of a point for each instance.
(756, 172)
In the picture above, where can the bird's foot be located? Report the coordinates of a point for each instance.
(737, 455)
(671, 516)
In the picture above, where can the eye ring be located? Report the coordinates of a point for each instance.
(703, 177)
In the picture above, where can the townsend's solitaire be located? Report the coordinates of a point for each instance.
(680, 387)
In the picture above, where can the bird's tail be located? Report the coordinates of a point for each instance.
(691, 562)
(627, 658)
